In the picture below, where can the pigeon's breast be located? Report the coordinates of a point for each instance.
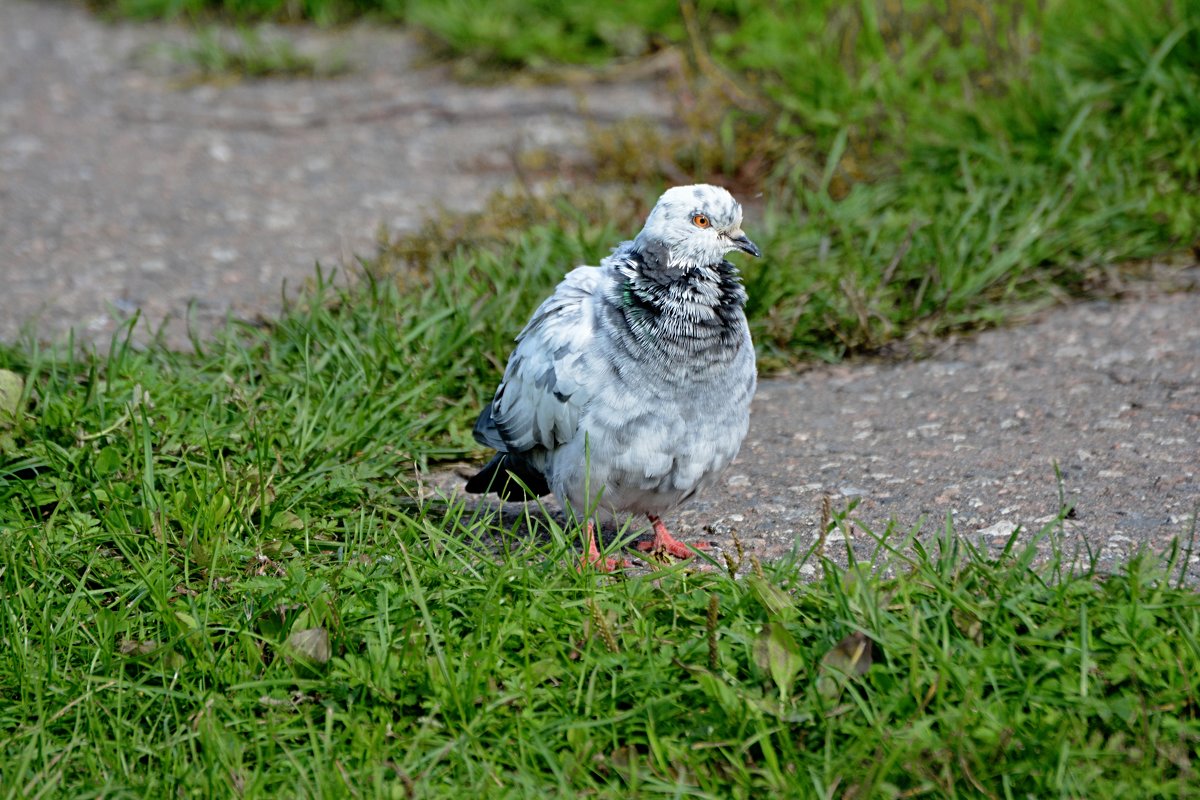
(648, 442)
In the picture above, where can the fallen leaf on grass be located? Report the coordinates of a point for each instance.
(135, 647)
(146, 653)
(310, 645)
(12, 386)
(849, 658)
(773, 599)
(777, 654)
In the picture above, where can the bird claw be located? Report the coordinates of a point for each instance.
(593, 557)
(664, 543)
(673, 547)
(601, 564)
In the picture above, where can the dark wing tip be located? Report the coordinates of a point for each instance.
(485, 431)
(510, 477)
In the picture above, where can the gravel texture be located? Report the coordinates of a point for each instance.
(1095, 407)
(122, 188)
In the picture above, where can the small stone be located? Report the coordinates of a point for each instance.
(220, 151)
(1003, 528)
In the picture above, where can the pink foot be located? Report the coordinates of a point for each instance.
(664, 542)
(593, 557)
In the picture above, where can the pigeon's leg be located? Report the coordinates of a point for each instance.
(664, 542)
(593, 557)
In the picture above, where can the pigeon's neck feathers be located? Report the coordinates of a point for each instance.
(651, 259)
(682, 306)
(674, 257)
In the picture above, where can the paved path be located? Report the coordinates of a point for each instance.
(1110, 393)
(120, 190)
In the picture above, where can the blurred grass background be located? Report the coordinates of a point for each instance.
(924, 166)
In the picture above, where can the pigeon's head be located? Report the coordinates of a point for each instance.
(694, 226)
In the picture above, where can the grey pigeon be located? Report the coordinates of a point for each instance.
(629, 389)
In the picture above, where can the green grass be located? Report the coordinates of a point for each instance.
(216, 578)
(249, 55)
(217, 582)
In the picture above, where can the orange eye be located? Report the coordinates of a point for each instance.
(700, 221)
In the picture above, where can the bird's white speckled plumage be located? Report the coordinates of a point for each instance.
(629, 389)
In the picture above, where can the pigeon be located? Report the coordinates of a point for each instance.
(629, 390)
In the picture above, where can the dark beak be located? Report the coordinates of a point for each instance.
(745, 245)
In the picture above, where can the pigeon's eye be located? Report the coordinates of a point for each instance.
(700, 221)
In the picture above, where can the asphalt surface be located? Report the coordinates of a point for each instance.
(124, 187)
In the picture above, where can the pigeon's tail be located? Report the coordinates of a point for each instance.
(511, 477)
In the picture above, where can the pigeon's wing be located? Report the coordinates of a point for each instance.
(548, 379)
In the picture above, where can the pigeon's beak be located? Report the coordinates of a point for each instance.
(745, 245)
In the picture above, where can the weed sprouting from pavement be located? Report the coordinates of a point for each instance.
(218, 56)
